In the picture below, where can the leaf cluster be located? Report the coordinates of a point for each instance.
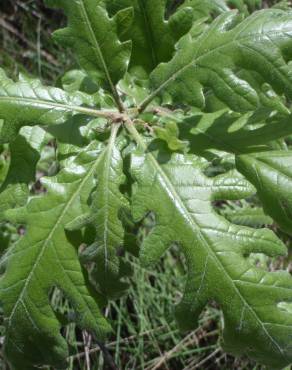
(179, 112)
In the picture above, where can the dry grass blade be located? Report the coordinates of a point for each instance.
(8, 27)
(188, 340)
(193, 366)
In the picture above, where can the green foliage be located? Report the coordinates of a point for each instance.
(207, 241)
(174, 132)
(43, 259)
(28, 102)
(240, 49)
(93, 35)
(152, 35)
(24, 152)
(271, 174)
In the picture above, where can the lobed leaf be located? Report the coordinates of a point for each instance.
(153, 36)
(249, 216)
(25, 154)
(93, 35)
(271, 174)
(43, 259)
(213, 61)
(228, 131)
(107, 207)
(175, 188)
(28, 102)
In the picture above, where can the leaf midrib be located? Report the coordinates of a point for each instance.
(144, 103)
(185, 214)
(47, 104)
(148, 34)
(108, 156)
(196, 228)
(99, 54)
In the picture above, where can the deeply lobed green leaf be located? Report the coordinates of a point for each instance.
(261, 43)
(105, 216)
(28, 102)
(242, 65)
(43, 259)
(153, 36)
(93, 35)
(175, 188)
(271, 174)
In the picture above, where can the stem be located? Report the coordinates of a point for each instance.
(47, 104)
(98, 113)
(132, 130)
(146, 102)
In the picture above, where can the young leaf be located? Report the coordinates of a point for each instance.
(170, 134)
(93, 35)
(44, 258)
(271, 174)
(260, 43)
(175, 188)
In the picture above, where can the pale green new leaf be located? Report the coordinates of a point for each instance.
(170, 134)
(43, 259)
(261, 44)
(153, 36)
(271, 174)
(175, 188)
